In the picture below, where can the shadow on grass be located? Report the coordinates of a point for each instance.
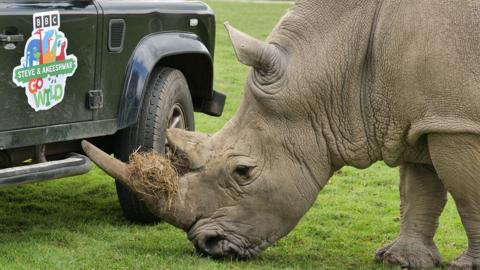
(61, 204)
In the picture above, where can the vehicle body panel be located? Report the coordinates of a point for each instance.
(86, 25)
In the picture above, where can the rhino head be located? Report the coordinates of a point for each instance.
(250, 183)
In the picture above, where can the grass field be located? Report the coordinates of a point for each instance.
(76, 223)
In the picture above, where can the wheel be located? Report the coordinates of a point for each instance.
(167, 104)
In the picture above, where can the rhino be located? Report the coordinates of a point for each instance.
(339, 83)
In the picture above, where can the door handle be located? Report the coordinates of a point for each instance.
(12, 38)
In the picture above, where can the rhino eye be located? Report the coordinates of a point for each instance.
(243, 171)
(243, 174)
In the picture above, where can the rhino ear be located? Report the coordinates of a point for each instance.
(195, 145)
(252, 52)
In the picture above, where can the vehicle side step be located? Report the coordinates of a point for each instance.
(74, 164)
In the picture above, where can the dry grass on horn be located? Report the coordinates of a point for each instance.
(155, 175)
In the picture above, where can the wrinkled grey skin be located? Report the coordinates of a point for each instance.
(342, 82)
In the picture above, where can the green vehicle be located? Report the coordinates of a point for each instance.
(115, 72)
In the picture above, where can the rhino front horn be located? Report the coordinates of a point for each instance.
(255, 53)
(112, 166)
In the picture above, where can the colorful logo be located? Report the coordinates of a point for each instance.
(45, 66)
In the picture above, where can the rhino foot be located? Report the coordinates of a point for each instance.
(409, 253)
(380, 253)
(464, 262)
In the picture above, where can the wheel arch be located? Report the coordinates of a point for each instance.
(198, 71)
(182, 51)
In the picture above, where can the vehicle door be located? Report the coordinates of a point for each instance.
(47, 62)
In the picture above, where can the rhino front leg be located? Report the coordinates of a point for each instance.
(456, 158)
(423, 198)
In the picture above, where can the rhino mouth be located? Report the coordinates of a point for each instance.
(211, 240)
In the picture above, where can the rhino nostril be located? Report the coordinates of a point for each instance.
(212, 245)
(217, 246)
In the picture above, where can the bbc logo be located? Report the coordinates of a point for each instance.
(45, 20)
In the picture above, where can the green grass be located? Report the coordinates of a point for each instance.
(76, 223)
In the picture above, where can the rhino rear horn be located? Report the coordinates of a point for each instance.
(195, 145)
(253, 52)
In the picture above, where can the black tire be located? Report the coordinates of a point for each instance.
(167, 99)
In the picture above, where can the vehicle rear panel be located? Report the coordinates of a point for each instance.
(143, 18)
